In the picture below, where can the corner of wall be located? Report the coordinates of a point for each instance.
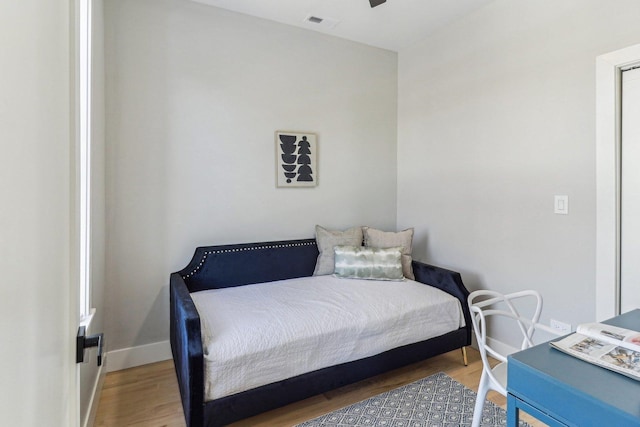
(131, 357)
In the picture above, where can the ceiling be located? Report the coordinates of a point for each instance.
(392, 25)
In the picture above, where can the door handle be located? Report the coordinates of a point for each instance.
(83, 341)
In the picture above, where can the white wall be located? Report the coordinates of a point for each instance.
(37, 329)
(194, 95)
(496, 115)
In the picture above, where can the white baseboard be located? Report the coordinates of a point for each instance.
(501, 347)
(140, 355)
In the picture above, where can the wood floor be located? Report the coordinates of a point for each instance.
(148, 395)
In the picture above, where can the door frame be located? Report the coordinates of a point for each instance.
(608, 143)
(88, 376)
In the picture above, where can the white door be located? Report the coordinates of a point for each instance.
(630, 192)
(37, 383)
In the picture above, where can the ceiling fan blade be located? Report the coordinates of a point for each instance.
(375, 3)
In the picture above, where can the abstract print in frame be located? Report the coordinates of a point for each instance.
(296, 159)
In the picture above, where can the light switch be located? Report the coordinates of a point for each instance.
(561, 205)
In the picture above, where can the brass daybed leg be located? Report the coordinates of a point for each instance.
(464, 356)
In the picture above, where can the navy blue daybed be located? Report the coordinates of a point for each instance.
(215, 267)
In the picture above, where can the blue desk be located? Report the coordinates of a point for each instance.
(561, 390)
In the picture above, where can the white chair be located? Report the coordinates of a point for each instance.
(489, 304)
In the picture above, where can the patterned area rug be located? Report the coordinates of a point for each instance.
(435, 401)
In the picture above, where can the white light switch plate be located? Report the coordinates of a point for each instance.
(561, 205)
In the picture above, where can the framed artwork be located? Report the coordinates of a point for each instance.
(296, 159)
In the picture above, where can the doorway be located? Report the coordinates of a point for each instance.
(630, 191)
(609, 73)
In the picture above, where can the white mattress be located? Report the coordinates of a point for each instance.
(259, 334)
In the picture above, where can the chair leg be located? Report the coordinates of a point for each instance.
(464, 356)
(483, 389)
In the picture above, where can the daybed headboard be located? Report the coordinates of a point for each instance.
(224, 266)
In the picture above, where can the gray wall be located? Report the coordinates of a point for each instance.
(194, 95)
(496, 116)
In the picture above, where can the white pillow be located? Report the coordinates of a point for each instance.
(327, 239)
(385, 239)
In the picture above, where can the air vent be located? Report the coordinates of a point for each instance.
(321, 22)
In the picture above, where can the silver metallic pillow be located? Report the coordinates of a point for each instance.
(360, 262)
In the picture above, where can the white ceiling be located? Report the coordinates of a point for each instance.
(392, 25)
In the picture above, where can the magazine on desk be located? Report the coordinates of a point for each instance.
(607, 346)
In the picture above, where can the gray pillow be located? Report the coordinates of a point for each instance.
(327, 239)
(385, 239)
(360, 262)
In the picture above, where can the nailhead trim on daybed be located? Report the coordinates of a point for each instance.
(248, 248)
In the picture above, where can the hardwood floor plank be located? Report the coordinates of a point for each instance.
(148, 396)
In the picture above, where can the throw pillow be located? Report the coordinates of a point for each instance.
(385, 239)
(360, 262)
(327, 239)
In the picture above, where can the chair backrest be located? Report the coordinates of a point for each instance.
(485, 304)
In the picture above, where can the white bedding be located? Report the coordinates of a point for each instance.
(259, 334)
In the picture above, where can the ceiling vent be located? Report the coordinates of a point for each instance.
(321, 22)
